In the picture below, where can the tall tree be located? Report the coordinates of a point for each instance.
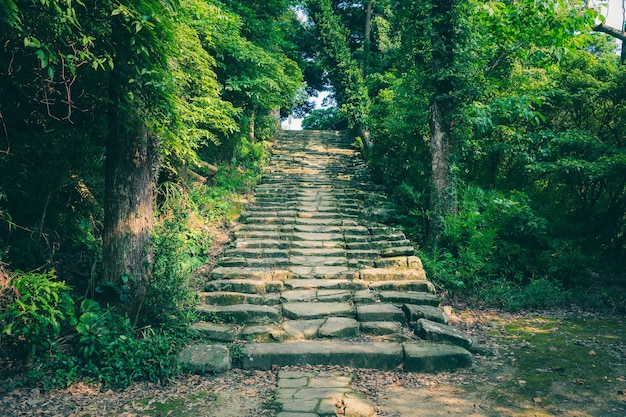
(140, 103)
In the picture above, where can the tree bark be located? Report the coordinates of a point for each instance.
(252, 134)
(367, 42)
(616, 33)
(128, 212)
(441, 111)
(130, 173)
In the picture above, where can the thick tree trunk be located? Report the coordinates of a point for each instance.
(130, 174)
(128, 216)
(441, 111)
(439, 148)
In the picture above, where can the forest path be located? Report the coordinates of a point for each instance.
(315, 277)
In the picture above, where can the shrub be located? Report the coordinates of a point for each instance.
(34, 309)
(492, 238)
(114, 353)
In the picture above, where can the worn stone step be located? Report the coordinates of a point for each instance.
(318, 260)
(313, 283)
(315, 310)
(228, 298)
(261, 243)
(379, 312)
(415, 312)
(412, 297)
(252, 286)
(240, 313)
(249, 273)
(308, 295)
(387, 274)
(400, 262)
(257, 252)
(263, 356)
(408, 285)
(335, 252)
(216, 332)
(438, 332)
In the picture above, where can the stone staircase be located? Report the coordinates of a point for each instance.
(314, 276)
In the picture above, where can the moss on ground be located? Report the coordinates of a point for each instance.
(557, 364)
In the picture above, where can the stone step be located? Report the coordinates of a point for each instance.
(413, 357)
(386, 274)
(249, 273)
(240, 313)
(312, 259)
(401, 297)
(250, 286)
(294, 284)
(229, 297)
(316, 310)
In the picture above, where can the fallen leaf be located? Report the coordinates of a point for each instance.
(620, 379)
(536, 400)
(592, 353)
(579, 381)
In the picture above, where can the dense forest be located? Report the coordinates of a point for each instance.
(130, 130)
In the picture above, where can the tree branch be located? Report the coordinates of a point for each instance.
(616, 33)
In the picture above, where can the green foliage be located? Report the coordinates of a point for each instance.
(493, 238)
(539, 293)
(35, 317)
(347, 79)
(180, 246)
(114, 353)
(324, 119)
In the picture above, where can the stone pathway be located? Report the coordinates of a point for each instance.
(306, 394)
(314, 276)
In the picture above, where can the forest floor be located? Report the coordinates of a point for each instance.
(549, 363)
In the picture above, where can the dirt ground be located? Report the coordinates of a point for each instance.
(555, 363)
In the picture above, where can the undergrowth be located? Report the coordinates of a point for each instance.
(56, 336)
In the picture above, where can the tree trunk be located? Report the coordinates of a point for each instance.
(367, 43)
(442, 200)
(252, 122)
(128, 215)
(441, 110)
(617, 34)
(130, 173)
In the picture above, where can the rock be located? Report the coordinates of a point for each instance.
(263, 334)
(204, 358)
(415, 312)
(435, 357)
(437, 332)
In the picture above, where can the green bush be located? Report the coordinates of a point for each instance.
(539, 293)
(113, 352)
(40, 308)
(492, 238)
